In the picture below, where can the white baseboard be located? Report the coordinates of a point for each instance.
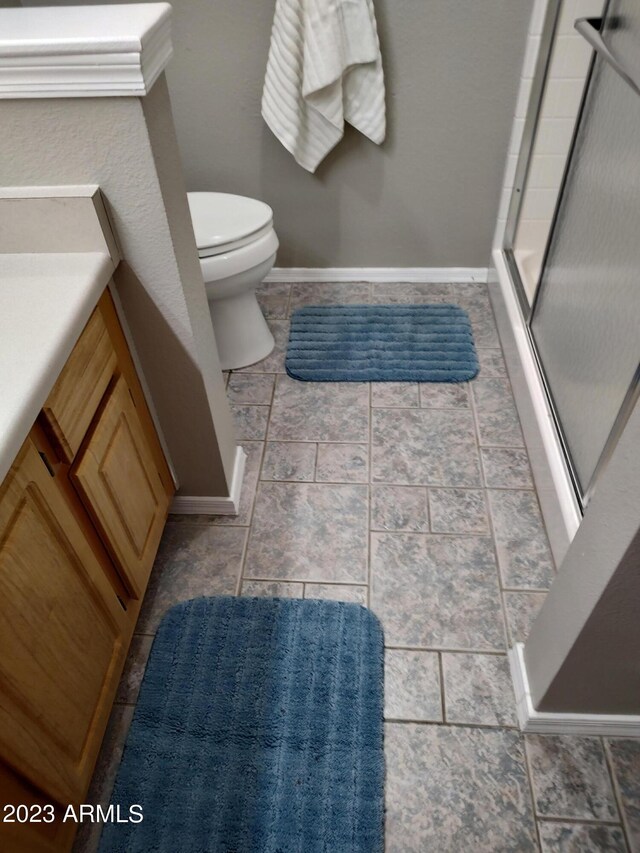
(206, 505)
(548, 723)
(382, 274)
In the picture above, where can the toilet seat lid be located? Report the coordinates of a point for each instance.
(221, 219)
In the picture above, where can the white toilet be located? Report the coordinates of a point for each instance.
(237, 248)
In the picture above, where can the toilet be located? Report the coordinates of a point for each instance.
(237, 247)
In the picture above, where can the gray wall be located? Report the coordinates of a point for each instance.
(428, 197)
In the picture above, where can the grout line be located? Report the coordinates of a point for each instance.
(443, 704)
(385, 483)
(477, 654)
(449, 724)
(428, 535)
(617, 793)
(427, 498)
(287, 310)
(307, 581)
(360, 483)
(316, 441)
(245, 547)
(444, 649)
(491, 527)
(589, 821)
(252, 510)
(532, 790)
(370, 494)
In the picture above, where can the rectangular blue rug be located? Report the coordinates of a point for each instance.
(381, 343)
(258, 729)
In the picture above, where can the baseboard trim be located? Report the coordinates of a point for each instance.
(548, 723)
(382, 274)
(206, 505)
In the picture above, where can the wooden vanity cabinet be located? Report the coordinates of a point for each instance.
(62, 632)
(81, 515)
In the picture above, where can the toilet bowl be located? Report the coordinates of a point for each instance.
(237, 247)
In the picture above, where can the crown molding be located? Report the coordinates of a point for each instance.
(83, 51)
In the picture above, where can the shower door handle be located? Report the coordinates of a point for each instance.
(589, 30)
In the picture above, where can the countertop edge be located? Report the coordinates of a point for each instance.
(89, 275)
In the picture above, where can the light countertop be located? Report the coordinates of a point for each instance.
(45, 302)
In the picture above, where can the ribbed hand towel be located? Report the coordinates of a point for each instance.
(324, 68)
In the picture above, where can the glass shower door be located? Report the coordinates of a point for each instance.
(586, 317)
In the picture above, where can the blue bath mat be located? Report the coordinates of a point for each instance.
(258, 729)
(381, 343)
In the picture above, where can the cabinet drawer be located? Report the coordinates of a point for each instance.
(118, 481)
(76, 395)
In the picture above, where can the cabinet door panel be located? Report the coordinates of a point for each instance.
(61, 628)
(79, 389)
(120, 486)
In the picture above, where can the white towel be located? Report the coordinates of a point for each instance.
(324, 68)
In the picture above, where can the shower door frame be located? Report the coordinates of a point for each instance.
(583, 493)
(525, 154)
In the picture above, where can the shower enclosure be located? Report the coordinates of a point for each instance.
(572, 242)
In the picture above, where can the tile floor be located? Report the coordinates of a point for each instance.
(418, 501)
